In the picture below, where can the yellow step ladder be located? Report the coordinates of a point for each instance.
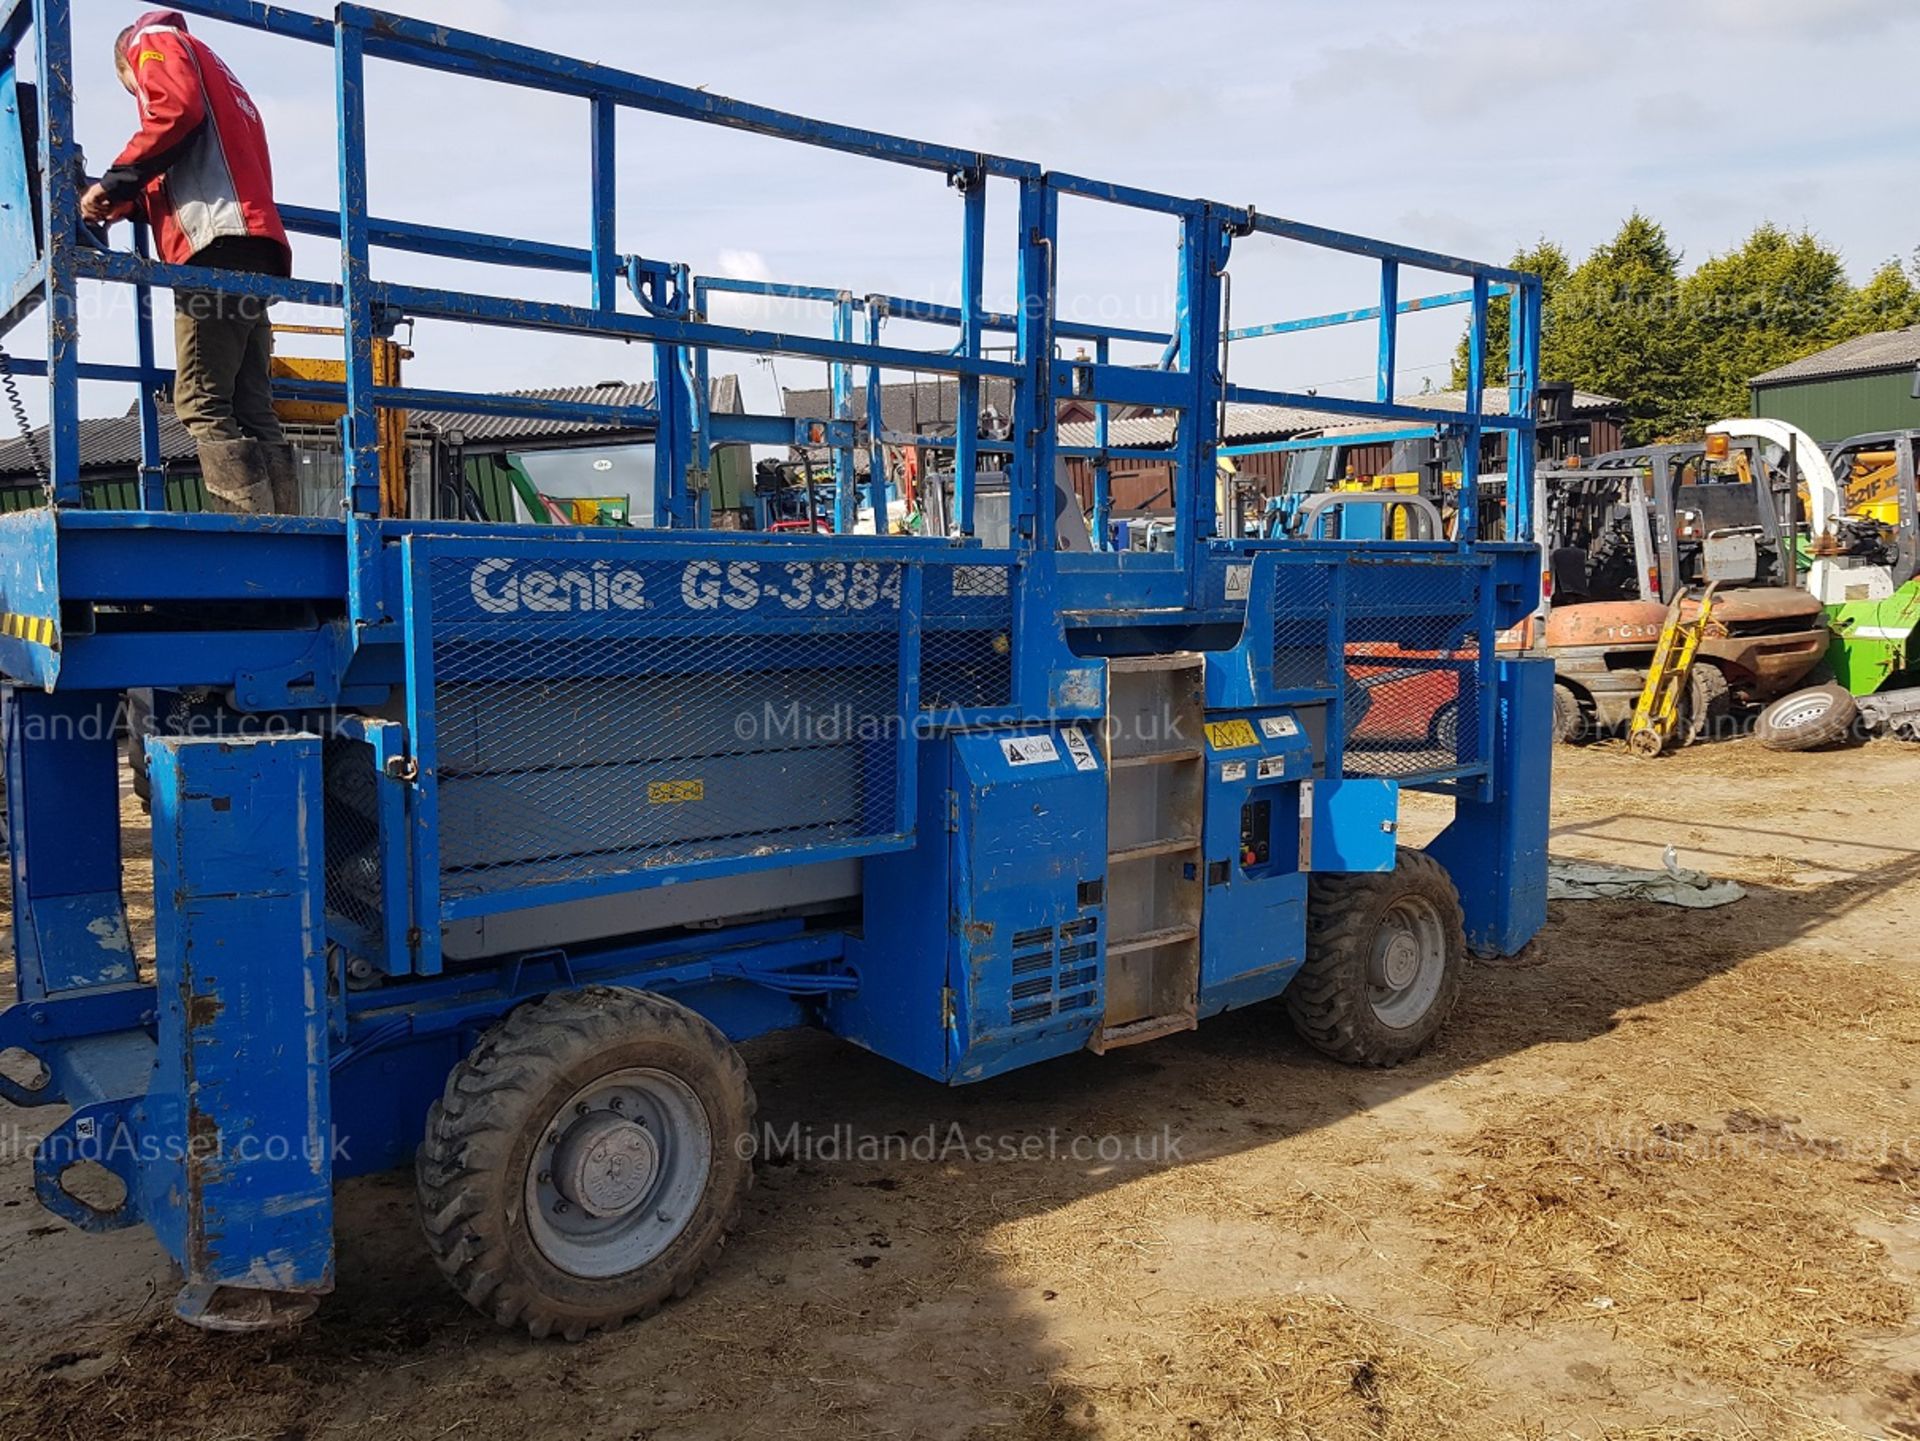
(1658, 714)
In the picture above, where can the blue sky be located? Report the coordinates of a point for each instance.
(1470, 127)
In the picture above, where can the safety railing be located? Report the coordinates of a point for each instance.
(1396, 642)
(660, 304)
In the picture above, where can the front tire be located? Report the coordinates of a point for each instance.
(586, 1161)
(1709, 704)
(1571, 724)
(1386, 957)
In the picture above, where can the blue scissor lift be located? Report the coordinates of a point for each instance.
(506, 834)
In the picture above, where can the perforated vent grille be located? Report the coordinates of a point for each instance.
(1056, 971)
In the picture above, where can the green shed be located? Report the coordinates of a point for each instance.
(1868, 383)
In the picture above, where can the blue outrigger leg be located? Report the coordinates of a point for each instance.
(497, 838)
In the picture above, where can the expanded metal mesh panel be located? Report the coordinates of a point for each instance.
(966, 642)
(1303, 602)
(1414, 679)
(351, 822)
(659, 713)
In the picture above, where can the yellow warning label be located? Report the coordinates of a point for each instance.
(1231, 735)
(673, 793)
(37, 629)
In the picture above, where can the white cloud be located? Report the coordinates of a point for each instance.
(1821, 21)
(743, 265)
(762, 312)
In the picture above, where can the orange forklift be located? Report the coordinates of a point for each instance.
(1626, 536)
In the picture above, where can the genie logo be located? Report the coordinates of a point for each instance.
(499, 589)
(500, 586)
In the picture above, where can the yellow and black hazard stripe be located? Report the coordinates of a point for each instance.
(35, 628)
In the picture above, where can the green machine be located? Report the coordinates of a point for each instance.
(1860, 555)
(1875, 620)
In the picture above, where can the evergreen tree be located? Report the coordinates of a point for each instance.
(1679, 353)
(1617, 330)
(1888, 301)
(1544, 259)
(1777, 297)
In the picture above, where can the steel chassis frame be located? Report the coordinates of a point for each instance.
(353, 623)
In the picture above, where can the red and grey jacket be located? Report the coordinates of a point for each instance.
(199, 165)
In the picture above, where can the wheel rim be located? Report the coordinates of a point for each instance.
(1796, 711)
(618, 1172)
(1407, 962)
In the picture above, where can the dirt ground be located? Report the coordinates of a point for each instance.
(1660, 1180)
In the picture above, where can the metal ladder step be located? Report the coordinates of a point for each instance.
(1155, 788)
(1152, 940)
(1157, 758)
(1147, 849)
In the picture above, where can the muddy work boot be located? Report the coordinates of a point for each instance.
(236, 476)
(283, 475)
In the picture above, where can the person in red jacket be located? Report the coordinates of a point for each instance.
(199, 170)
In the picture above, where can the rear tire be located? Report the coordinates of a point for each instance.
(586, 1161)
(1386, 957)
(1570, 724)
(1822, 715)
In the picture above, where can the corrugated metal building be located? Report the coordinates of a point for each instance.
(551, 454)
(109, 465)
(486, 447)
(916, 407)
(919, 407)
(1142, 485)
(1863, 384)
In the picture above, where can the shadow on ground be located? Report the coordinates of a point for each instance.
(865, 1292)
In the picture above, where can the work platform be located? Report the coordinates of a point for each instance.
(436, 801)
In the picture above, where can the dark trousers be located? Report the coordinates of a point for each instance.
(224, 345)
